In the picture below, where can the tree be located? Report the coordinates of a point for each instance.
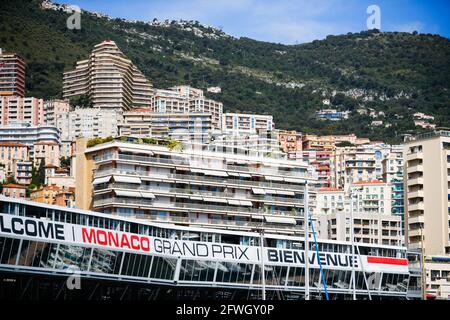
(82, 101)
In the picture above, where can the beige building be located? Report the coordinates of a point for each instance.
(47, 151)
(109, 78)
(11, 153)
(243, 123)
(54, 108)
(427, 207)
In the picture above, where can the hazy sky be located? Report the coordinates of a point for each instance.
(284, 21)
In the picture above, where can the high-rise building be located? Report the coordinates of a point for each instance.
(291, 142)
(427, 205)
(191, 187)
(12, 75)
(109, 79)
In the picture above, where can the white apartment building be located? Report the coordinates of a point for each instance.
(15, 109)
(239, 123)
(185, 127)
(109, 78)
(53, 108)
(89, 123)
(191, 187)
(371, 222)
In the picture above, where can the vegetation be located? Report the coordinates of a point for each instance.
(82, 101)
(397, 73)
(95, 141)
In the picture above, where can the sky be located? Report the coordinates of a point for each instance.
(284, 21)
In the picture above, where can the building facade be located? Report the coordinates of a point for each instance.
(15, 109)
(89, 123)
(109, 79)
(239, 123)
(12, 75)
(191, 187)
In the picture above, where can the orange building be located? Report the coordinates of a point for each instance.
(14, 190)
(54, 195)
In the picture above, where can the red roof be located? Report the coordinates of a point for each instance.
(12, 144)
(46, 143)
(14, 185)
(50, 166)
(330, 189)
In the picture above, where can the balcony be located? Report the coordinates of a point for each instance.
(416, 168)
(413, 156)
(416, 194)
(416, 206)
(415, 181)
(416, 219)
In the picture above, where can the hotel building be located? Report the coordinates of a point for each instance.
(12, 75)
(191, 187)
(109, 79)
(427, 207)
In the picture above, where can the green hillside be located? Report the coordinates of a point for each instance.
(397, 73)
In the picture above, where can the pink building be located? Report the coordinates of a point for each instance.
(20, 109)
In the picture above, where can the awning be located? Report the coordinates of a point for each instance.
(215, 173)
(208, 199)
(234, 174)
(147, 195)
(127, 179)
(285, 192)
(196, 170)
(246, 203)
(270, 191)
(124, 193)
(273, 178)
(280, 220)
(258, 191)
(298, 180)
(245, 175)
(257, 217)
(235, 202)
(101, 180)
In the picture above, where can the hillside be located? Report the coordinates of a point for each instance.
(397, 73)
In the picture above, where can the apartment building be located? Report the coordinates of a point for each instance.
(12, 74)
(22, 171)
(262, 143)
(11, 153)
(185, 127)
(315, 142)
(42, 140)
(290, 141)
(14, 190)
(352, 164)
(191, 187)
(21, 109)
(372, 223)
(168, 101)
(89, 123)
(54, 108)
(52, 194)
(427, 185)
(109, 79)
(239, 123)
(392, 166)
(321, 162)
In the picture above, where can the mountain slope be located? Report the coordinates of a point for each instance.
(397, 73)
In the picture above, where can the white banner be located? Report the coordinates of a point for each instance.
(44, 230)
